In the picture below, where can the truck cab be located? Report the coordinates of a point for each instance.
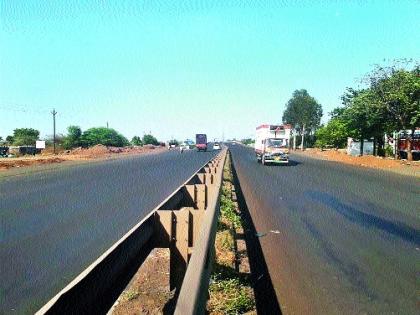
(201, 142)
(272, 144)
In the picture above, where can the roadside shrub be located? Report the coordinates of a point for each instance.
(149, 139)
(136, 140)
(333, 134)
(24, 136)
(73, 138)
(104, 136)
(389, 151)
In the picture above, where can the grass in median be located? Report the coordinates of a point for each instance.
(230, 291)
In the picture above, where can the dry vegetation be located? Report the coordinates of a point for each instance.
(148, 292)
(230, 289)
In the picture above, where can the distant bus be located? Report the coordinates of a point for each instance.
(201, 142)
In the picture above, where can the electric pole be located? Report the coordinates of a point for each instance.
(107, 126)
(54, 113)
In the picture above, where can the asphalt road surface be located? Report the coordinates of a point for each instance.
(55, 223)
(340, 239)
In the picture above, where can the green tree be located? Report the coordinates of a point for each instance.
(303, 112)
(104, 136)
(73, 138)
(363, 116)
(136, 140)
(398, 92)
(25, 136)
(248, 141)
(9, 139)
(333, 134)
(337, 112)
(149, 139)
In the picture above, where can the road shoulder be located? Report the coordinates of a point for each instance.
(43, 164)
(389, 165)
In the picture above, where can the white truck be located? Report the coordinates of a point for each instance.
(272, 143)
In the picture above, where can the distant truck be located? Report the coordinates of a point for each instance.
(201, 142)
(172, 144)
(403, 144)
(272, 144)
(4, 151)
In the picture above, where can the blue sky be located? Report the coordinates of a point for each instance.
(180, 68)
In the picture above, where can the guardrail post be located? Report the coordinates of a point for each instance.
(197, 216)
(202, 177)
(179, 247)
(201, 197)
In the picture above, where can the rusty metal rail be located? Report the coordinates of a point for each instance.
(185, 223)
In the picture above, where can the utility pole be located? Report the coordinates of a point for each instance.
(54, 113)
(107, 126)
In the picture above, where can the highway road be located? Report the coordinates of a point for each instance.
(55, 223)
(344, 240)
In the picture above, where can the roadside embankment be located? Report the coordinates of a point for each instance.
(402, 167)
(78, 154)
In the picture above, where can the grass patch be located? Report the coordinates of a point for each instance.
(131, 295)
(228, 211)
(229, 296)
(230, 291)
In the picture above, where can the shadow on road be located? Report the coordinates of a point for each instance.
(397, 229)
(265, 296)
(291, 163)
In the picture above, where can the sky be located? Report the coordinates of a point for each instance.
(177, 68)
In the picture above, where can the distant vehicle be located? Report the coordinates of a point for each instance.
(4, 151)
(190, 143)
(216, 146)
(403, 144)
(272, 144)
(184, 146)
(201, 142)
(172, 144)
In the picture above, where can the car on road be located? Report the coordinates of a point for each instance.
(216, 146)
(184, 146)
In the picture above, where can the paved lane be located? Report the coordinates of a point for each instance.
(349, 240)
(54, 224)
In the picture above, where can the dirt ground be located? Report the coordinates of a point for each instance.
(93, 153)
(398, 166)
(148, 292)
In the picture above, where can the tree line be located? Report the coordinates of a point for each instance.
(76, 138)
(390, 102)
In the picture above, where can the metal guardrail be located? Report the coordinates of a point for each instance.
(194, 290)
(185, 223)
